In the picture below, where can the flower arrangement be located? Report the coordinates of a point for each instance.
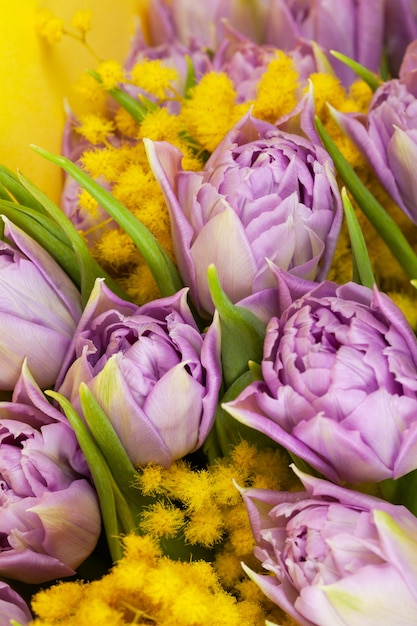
(209, 354)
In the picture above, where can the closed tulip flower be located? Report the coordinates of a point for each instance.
(12, 607)
(339, 368)
(263, 194)
(335, 556)
(39, 310)
(387, 137)
(354, 27)
(155, 376)
(49, 514)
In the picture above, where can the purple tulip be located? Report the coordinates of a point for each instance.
(12, 607)
(400, 30)
(339, 368)
(49, 515)
(354, 27)
(243, 61)
(39, 310)
(201, 24)
(387, 137)
(263, 194)
(172, 54)
(153, 373)
(335, 556)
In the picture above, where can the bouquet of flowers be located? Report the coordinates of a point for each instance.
(209, 358)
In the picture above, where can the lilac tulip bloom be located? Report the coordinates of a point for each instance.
(153, 373)
(339, 369)
(201, 24)
(263, 194)
(49, 514)
(399, 31)
(12, 607)
(387, 134)
(353, 27)
(39, 310)
(335, 556)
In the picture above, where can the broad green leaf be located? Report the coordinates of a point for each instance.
(15, 187)
(241, 331)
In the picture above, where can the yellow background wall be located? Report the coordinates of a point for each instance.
(35, 77)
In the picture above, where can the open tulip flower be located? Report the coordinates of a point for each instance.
(335, 556)
(152, 372)
(39, 310)
(263, 194)
(339, 368)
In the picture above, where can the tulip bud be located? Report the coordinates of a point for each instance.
(386, 137)
(49, 515)
(152, 372)
(39, 310)
(12, 607)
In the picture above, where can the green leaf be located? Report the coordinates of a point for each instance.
(401, 491)
(161, 266)
(376, 214)
(4, 194)
(362, 268)
(367, 76)
(242, 332)
(102, 477)
(89, 269)
(112, 450)
(45, 231)
(18, 191)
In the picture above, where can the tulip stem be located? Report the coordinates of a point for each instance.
(376, 214)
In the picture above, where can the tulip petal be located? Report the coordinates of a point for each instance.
(175, 405)
(71, 521)
(399, 541)
(223, 243)
(139, 435)
(366, 597)
(402, 155)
